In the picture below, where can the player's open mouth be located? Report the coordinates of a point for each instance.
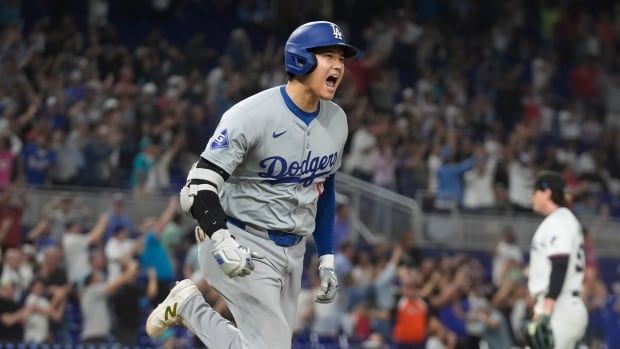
(332, 80)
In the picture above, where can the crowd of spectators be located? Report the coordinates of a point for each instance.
(68, 284)
(446, 102)
(465, 113)
(456, 103)
(72, 282)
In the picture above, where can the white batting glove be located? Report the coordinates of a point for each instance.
(234, 259)
(329, 280)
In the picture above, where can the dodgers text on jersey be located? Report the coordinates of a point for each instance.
(278, 170)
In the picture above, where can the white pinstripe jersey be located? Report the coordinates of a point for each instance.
(559, 233)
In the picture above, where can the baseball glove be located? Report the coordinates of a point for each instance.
(538, 333)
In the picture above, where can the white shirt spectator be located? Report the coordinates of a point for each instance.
(410, 33)
(69, 158)
(17, 272)
(362, 144)
(115, 250)
(566, 156)
(384, 170)
(518, 317)
(434, 163)
(453, 116)
(547, 118)
(479, 185)
(423, 86)
(493, 147)
(76, 256)
(20, 278)
(408, 105)
(585, 163)
(327, 318)
(520, 180)
(435, 343)
(542, 71)
(362, 273)
(36, 327)
(570, 125)
(95, 312)
(504, 252)
(98, 12)
(429, 110)
(501, 37)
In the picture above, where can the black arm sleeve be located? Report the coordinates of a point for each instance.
(207, 209)
(559, 265)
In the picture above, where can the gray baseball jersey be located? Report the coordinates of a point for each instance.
(277, 163)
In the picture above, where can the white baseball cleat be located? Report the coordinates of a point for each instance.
(166, 314)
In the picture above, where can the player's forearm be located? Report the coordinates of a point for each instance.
(325, 218)
(547, 306)
(208, 212)
(205, 180)
(559, 266)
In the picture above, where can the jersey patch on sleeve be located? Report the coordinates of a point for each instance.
(221, 141)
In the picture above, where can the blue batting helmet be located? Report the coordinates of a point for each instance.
(298, 58)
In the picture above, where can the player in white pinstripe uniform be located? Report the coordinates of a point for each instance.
(264, 183)
(556, 269)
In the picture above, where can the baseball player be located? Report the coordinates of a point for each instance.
(264, 183)
(557, 262)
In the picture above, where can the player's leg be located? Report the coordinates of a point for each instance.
(292, 282)
(568, 321)
(184, 302)
(207, 324)
(253, 300)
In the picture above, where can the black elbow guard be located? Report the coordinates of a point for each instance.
(208, 165)
(208, 211)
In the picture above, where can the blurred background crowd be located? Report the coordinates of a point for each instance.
(455, 103)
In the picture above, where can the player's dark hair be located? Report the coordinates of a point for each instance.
(558, 197)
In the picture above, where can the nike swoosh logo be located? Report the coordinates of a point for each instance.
(276, 135)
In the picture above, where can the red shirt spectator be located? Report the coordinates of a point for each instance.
(7, 159)
(411, 318)
(11, 218)
(583, 81)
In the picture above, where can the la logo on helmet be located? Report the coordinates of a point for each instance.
(336, 32)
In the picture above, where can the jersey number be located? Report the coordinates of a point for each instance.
(581, 259)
